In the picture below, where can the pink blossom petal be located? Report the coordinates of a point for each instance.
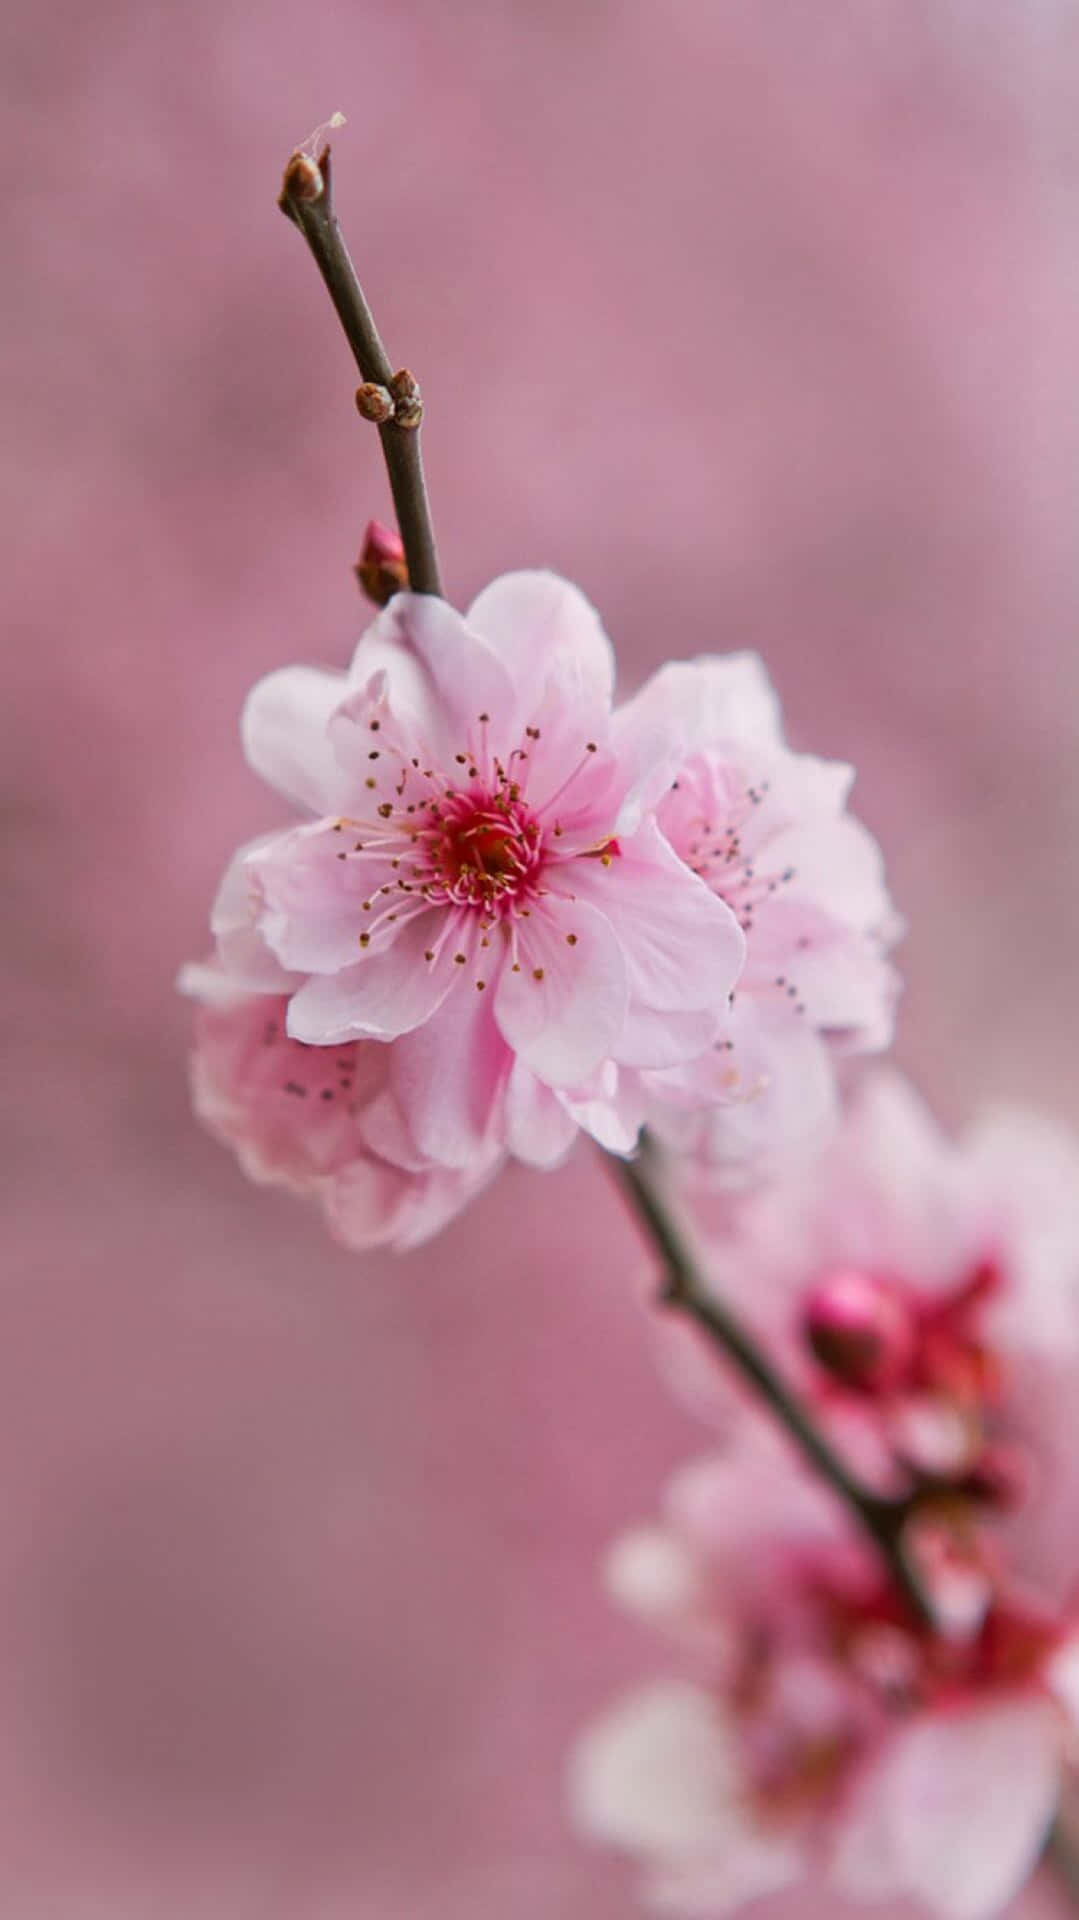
(448, 1074)
(957, 1810)
(684, 948)
(382, 1127)
(384, 994)
(287, 1110)
(284, 732)
(368, 1202)
(464, 675)
(373, 725)
(321, 900)
(542, 628)
(372, 1204)
(613, 1109)
(658, 1774)
(840, 978)
(649, 1572)
(836, 865)
(539, 1128)
(767, 1089)
(571, 779)
(393, 681)
(562, 1003)
(657, 1038)
(658, 1777)
(711, 701)
(241, 951)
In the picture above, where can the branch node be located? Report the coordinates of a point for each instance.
(407, 399)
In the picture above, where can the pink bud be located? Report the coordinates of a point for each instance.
(861, 1330)
(381, 569)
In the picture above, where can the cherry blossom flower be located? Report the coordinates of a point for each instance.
(924, 1293)
(320, 1121)
(767, 832)
(820, 1730)
(483, 884)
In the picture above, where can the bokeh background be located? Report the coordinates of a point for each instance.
(758, 318)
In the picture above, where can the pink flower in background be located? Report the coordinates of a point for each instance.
(924, 1292)
(767, 832)
(822, 1730)
(318, 1120)
(482, 885)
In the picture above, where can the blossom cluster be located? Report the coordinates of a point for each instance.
(515, 911)
(924, 1296)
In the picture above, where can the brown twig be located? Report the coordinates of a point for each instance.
(307, 199)
(683, 1290)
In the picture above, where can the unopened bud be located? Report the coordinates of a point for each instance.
(374, 403)
(381, 569)
(407, 399)
(861, 1330)
(303, 179)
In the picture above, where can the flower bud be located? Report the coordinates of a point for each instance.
(374, 402)
(861, 1330)
(381, 569)
(304, 179)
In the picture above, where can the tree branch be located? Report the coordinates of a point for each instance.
(882, 1519)
(307, 199)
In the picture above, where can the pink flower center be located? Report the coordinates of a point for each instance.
(477, 851)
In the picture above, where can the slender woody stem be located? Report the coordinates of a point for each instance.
(684, 1291)
(307, 199)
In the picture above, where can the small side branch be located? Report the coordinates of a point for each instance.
(307, 199)
(882, 1519)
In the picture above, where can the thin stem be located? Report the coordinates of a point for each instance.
(307, 199)
(882, 1519)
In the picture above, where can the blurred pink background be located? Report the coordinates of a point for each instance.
(760, 322)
